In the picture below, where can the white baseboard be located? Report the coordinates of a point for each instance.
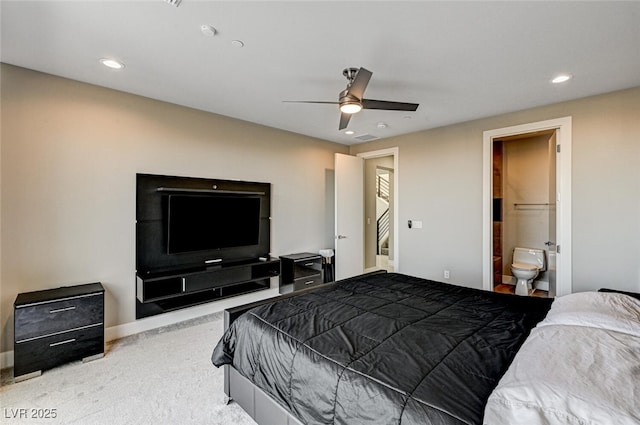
(6, 359)
(541, 285)
(126, 329)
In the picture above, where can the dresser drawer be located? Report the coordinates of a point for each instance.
(45, 353)
(47, 318)
(307, 267)
(307, 282)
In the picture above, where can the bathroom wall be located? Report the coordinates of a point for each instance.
(526, 191)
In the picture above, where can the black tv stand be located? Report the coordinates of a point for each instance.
(162, 291)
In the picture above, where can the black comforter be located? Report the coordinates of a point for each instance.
(382, 349)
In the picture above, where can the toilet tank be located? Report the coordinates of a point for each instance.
(530, 256)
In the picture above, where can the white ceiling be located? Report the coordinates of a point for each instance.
(458, 60)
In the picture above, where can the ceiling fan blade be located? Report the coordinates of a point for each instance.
(389, 106)
(344, 120)
(310, 101)
(360, 83)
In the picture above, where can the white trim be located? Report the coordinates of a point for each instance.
(563, 206)
(395, 152)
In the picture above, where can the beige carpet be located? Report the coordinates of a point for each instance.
(157, 377)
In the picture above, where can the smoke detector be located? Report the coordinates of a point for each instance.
(208, 30)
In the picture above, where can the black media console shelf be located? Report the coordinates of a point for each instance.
(200, 240)
(162, 292)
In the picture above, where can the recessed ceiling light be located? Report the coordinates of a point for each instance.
(111, 63)
(561, 78)
(349, 132)
(237, 43)
(382, 125)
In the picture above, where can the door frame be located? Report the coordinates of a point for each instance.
(563, 198)
(396, 198)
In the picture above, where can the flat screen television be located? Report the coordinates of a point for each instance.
(212, 222)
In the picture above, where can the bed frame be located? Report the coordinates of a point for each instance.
(258, 404)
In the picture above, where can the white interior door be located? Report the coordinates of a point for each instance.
(349, 202)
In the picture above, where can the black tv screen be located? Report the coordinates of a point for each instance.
(209, 222)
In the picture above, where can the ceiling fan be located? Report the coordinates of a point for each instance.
(351, 101)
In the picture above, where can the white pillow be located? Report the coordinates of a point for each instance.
(604, 310)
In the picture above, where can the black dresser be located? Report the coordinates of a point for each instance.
(56, 326)
(300, 271)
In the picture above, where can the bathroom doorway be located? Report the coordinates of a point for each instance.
(531, 209)
(524, 179)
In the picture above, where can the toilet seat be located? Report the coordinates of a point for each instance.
(524, 267)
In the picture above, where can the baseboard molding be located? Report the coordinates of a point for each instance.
(126, 329)
(6, 359)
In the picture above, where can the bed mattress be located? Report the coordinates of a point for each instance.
(382, 349)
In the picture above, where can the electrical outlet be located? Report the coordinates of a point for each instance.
(447, 275)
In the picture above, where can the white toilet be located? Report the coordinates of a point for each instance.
(527, 263)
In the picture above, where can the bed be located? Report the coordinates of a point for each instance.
(382, 348)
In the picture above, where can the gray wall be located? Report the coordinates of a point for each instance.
(440, 174)
(69, 156)
(70, 151)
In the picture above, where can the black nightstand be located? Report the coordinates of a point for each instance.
(300, 271)
(56, 326)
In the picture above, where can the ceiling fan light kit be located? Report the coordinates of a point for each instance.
(351, 101)
(349, 104)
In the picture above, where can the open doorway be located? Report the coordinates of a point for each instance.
(558, 205)
(381, 162)
(350, 218)
(378, 213)
(524, 182)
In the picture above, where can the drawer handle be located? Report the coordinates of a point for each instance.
(309, 264)
(309, 282)
(53, 344)
(62, 309)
